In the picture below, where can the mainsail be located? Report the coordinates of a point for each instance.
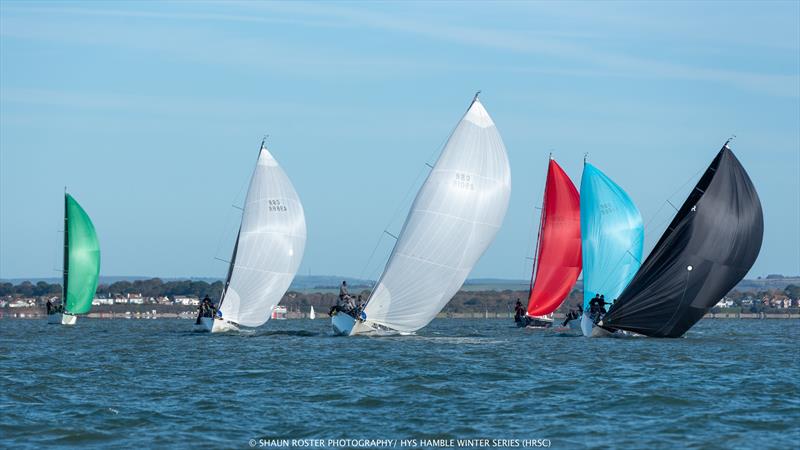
(612, 234)
(452, 221)
(269, 246)
(710, 246)
(81, 258)
(558, 258)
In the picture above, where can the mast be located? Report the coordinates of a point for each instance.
(230, 268)
(65, 270)
(539, 233)
(236, 244)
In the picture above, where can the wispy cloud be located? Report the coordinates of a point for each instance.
(621, 64)
(572, 54)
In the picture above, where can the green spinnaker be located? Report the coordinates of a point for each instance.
(82, 259)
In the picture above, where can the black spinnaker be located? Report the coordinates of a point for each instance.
(710, 246)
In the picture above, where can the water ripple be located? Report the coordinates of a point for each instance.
(136, 383)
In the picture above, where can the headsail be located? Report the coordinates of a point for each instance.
(558, 259)
(269, 247)
(81, 258)
(612, 234)
(452, 221)
(709, 247)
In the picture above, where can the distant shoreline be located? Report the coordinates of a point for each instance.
(40, 315)
(307, 284)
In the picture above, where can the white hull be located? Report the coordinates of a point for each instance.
(54, 319)
(68, 319)
(600, 332)
(589, 329)
(342, 324)
(586, 325)
(211, 325)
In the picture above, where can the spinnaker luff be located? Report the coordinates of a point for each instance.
(708, 247)
(452, 221)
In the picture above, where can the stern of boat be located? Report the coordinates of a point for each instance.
(54, 318)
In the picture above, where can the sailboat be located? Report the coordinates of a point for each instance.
(81, 265)
(454, 218)
(709, 246)
(558, 248)
(267, 253)
(311, 314)
(612, 236)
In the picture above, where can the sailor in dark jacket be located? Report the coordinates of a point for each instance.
(205, 309)
(519, 311)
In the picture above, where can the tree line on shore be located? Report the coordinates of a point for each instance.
(464, 301)
(153, 287)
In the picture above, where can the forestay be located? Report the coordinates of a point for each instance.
(269, 247)
(452, 221)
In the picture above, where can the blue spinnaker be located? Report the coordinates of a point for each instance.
(612, 236)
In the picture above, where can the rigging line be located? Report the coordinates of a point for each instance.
(653, 217)
(55, 251)
(648, 241)
(439, 150)
(528, 245)
(608, 276)
(234, 203)
(374, 249)
(415, 183)
(539, 230)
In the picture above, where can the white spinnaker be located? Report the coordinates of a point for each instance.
(272, 239)
(452, 221)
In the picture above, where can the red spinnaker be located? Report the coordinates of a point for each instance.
(558, 260)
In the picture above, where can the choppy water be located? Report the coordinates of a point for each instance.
(153, 383)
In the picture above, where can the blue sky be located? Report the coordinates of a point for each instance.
(152, 114)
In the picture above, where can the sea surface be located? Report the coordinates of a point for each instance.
(155, 384)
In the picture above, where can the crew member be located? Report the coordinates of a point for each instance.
(519, 311)
(602, 305)
(573, 314)
(206, 309)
